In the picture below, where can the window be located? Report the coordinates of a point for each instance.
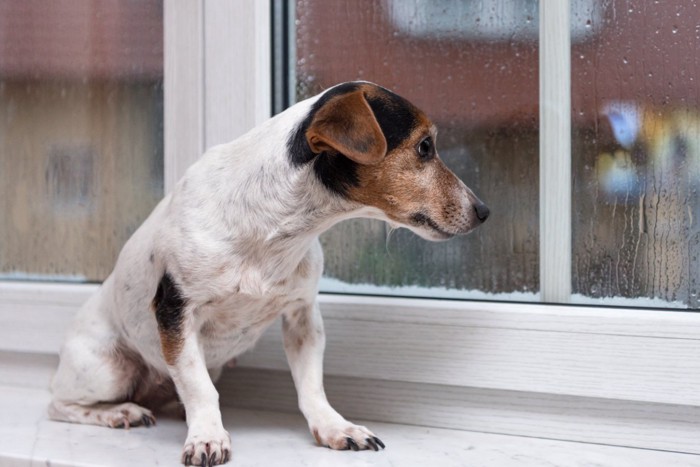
(480, 88)
(81, 133)
(636, 155)
(473, 67)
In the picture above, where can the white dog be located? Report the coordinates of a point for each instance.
(235, 246)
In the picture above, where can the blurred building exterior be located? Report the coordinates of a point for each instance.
(81, 138)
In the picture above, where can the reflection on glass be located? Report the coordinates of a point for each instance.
(636, 154)
(472, 67)
(81, 152)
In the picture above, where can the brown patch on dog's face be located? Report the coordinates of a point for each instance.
(413, 187)
(371, 146)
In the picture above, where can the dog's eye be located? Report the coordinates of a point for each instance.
(425, 148)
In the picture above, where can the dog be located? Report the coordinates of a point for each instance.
(235, 246)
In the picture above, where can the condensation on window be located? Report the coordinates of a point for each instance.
(636, 154)
(81, 133)
(473, 68)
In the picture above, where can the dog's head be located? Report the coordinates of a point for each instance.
(375, 148)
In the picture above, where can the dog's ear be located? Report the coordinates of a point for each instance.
(347, 124)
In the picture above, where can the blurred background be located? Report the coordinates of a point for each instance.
(81, 138)
(81, 133)
(473, 67)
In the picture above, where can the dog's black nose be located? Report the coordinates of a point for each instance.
(482, 211)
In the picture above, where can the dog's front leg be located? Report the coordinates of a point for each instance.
(208, 443)
(304, 342)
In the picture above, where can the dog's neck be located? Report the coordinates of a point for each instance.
(247, 194)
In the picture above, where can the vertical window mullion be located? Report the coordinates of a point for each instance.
(183, 87)
(237, 68)
(217, 77)
(555, 151)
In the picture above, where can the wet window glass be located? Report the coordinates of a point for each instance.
(472, 67)
(636, 153)
(81, 133)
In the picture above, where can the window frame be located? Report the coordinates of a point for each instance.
(591, 354)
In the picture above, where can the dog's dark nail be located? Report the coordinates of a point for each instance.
(370, 442)
(146, 420)
(352, 444)
(188, 459)
(203, 462)
(379, 442)
(212, 460)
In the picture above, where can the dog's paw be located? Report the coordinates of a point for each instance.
(206, 449)
(344, 436)
(124, 415)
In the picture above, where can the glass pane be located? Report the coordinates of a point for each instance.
(472, 67)
(81, 133)
(636, 153)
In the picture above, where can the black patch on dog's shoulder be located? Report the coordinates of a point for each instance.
(396, 117)
(169, 305)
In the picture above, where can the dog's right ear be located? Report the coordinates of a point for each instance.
(347, 125)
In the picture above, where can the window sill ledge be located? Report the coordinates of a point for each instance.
(270, 439)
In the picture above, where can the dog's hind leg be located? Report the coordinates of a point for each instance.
(96, 376)
(89, 388)
(124, 415)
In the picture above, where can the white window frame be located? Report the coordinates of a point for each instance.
(616, 376)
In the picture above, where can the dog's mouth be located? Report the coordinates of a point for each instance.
(422, 220)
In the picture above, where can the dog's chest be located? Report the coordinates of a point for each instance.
(233, 325)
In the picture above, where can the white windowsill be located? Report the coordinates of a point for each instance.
(566, 373)
(272, 439)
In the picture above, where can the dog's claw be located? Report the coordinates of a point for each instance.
(352, 444)
(188, 459)
(370, 442)
(203, 461)
(212, 460)
(379, 442)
